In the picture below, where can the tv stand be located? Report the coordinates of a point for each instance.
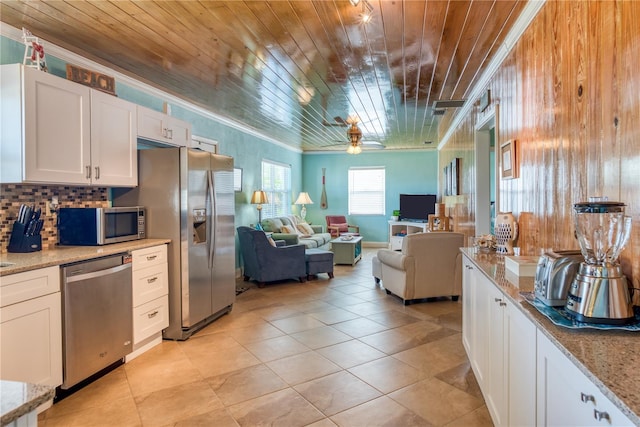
(399, 229)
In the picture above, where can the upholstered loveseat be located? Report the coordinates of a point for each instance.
(284, 229)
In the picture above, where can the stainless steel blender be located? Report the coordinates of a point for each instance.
(599, 292)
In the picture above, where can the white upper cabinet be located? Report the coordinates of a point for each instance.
(51, 133)
(156, 126)
(114, 157)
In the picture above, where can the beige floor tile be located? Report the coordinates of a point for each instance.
(113, 386)
(359, 327)
(303, 367)
(258, 332)
(321, 337)
(478, 418)
(113, 412)
(350, 289)
(323, 423)
(406, 337)
(294, 324)
(275, 313)
(451, 320)
(337, 392)
(171, 405)
(217, 418)
(367, 308)
(436, 401)
(333, 315)
(393, 318)
(234, 320)
(351, 353)
(314, 306)
(436, 356)
(387, 374)
(282, 408)
(462, 378)
(380, 412)
(147, 375)
(343, 300)
(245, 384)
(217, 362)
(276, 348)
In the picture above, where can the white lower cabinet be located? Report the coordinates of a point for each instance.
(501, 344)
(150, 298)
(31, 327)
(566, 396)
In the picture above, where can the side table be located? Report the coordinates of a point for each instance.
(347, 251)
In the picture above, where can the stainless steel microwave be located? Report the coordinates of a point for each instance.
(100, 226)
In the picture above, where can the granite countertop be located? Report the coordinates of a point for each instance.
(610, 359)
(18, 399)
(21, 262)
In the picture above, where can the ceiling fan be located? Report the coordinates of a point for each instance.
(354, 135)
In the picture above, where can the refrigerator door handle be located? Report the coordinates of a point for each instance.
(212, 234)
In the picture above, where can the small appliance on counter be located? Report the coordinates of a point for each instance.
(554, 273)
(100, 226)
(599, 292)
(25, 234)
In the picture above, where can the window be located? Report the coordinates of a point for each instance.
(276, 182)
(366, 191)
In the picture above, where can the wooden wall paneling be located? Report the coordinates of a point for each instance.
(629, 130)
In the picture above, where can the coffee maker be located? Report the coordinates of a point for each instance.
(599, 292)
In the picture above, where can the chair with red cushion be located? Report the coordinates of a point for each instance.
(337, 224)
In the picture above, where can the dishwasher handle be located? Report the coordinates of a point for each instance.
(98, 273)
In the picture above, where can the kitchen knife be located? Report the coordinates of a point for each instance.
(39, 227)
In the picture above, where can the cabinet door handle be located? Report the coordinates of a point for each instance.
(152, 315)
(88, 172)
(503, 304)
(153, 279)
(170, 133)
(468, 267)
(497, 299)
(598, 415)
(97, 172)
(151, 257)
(587, 398)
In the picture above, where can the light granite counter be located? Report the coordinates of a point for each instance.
(610, 359)
(18, 399)
(67, 254)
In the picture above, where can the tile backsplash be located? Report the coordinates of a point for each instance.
(13, 195)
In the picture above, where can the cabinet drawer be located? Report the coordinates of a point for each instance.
(150, 318)
(19, 287)
(143, 258)
(149, 283)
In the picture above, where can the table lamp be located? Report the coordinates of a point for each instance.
(303, 199)
(259, 198)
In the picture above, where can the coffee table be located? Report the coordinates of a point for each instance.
(347, 251)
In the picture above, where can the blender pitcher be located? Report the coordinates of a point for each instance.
(599, 293)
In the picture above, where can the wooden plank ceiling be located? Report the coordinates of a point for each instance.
(293, 70)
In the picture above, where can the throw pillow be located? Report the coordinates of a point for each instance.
(287, 229)
(305, 229)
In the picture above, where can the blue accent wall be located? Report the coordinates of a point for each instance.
(408, 172)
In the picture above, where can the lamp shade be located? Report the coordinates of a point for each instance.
(259, 197)
(303, 199)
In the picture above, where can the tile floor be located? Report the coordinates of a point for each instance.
(321, 353)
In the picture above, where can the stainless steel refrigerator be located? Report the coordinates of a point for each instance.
(189, 198)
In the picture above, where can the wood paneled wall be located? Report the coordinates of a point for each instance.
(569, 93)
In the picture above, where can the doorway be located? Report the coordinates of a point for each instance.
(486, 182)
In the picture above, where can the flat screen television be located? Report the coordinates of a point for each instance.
(417, 207)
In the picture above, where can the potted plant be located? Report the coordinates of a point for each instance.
(396, 215)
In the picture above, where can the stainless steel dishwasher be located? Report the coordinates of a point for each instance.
(97, 316)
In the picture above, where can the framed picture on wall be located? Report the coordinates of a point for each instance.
(447, 180)
(454, 176)
(508, 160)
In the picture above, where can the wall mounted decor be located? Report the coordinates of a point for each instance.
(485, 100)
(509, 160)
(455, 177)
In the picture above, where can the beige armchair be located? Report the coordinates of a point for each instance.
(429, 265)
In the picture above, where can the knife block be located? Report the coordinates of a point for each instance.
(19, 242)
